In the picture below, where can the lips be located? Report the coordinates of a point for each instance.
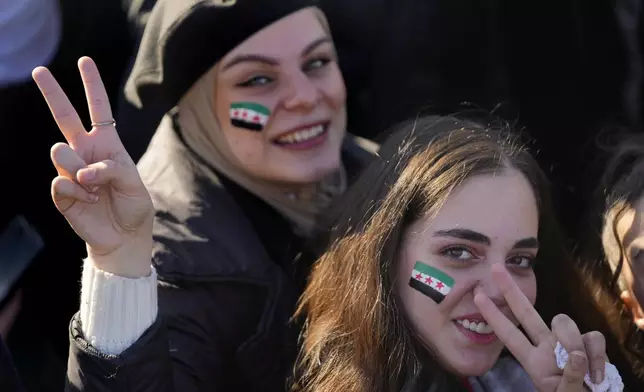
(302, 134)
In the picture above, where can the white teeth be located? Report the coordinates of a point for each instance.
(302, 135)
(479, 327)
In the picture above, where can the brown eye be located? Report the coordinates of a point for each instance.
(521, 261)
(458, 253)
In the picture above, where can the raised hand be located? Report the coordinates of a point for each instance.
(587, 353)
(98, 188)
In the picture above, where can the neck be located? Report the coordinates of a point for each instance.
(300, 191)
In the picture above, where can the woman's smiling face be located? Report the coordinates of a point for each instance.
(290, 69)
(489, 219)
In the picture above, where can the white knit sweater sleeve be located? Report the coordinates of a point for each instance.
(115, 311)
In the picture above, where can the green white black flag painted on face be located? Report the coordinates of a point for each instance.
(431, 281)
(249, 115)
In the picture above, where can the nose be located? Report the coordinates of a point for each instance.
(302, 94)
(490, 288)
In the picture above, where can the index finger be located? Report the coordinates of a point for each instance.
(504, 329)
(98, 102)
(520, 306)
(61, 108)
(459, 289)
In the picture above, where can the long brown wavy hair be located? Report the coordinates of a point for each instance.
(621, 186)
(356, 338)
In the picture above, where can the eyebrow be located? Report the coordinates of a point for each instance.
(473, 236)
(256, 58)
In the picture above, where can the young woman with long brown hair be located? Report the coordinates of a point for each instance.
(433, 267)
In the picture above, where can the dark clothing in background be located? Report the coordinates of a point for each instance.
(39, 338)
(408, 55)
(9, 380)
(559, 66)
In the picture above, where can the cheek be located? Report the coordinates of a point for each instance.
(420, 310)
(528, 285)
(638, 284)
(636, 273)
(334, 89)
(247, 146)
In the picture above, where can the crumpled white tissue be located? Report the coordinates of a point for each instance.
(612, 380)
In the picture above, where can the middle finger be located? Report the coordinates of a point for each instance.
(97, 99)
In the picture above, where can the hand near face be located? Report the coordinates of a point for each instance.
(587, 353)
(98, 188)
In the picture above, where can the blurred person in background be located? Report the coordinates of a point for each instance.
(613, 251)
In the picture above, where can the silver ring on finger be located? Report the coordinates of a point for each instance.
(104, 123)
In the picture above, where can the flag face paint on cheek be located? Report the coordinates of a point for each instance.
(431, 281)
(249, 115)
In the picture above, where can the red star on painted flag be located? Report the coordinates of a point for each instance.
(440, 285)
(428, 280)
(419, 277)
(256, 119)
(236, 113)
(245, 114)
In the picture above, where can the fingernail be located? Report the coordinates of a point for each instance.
(93, 198)
(578, 359)
(93, 188)
(599, 377)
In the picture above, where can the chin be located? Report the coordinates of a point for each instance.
(474, 369)
(316, 171)
(312, 176)
(473, 364)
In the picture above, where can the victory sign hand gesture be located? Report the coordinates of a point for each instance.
(98, 188)
(536, 352)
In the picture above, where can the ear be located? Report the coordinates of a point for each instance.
(634, 307)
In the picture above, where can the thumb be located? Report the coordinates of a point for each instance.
(574, 372)
(123, 177)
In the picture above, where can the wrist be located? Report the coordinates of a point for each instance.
(130, 260)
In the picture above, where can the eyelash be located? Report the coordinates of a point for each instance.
(255, 81)
(462, 248)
